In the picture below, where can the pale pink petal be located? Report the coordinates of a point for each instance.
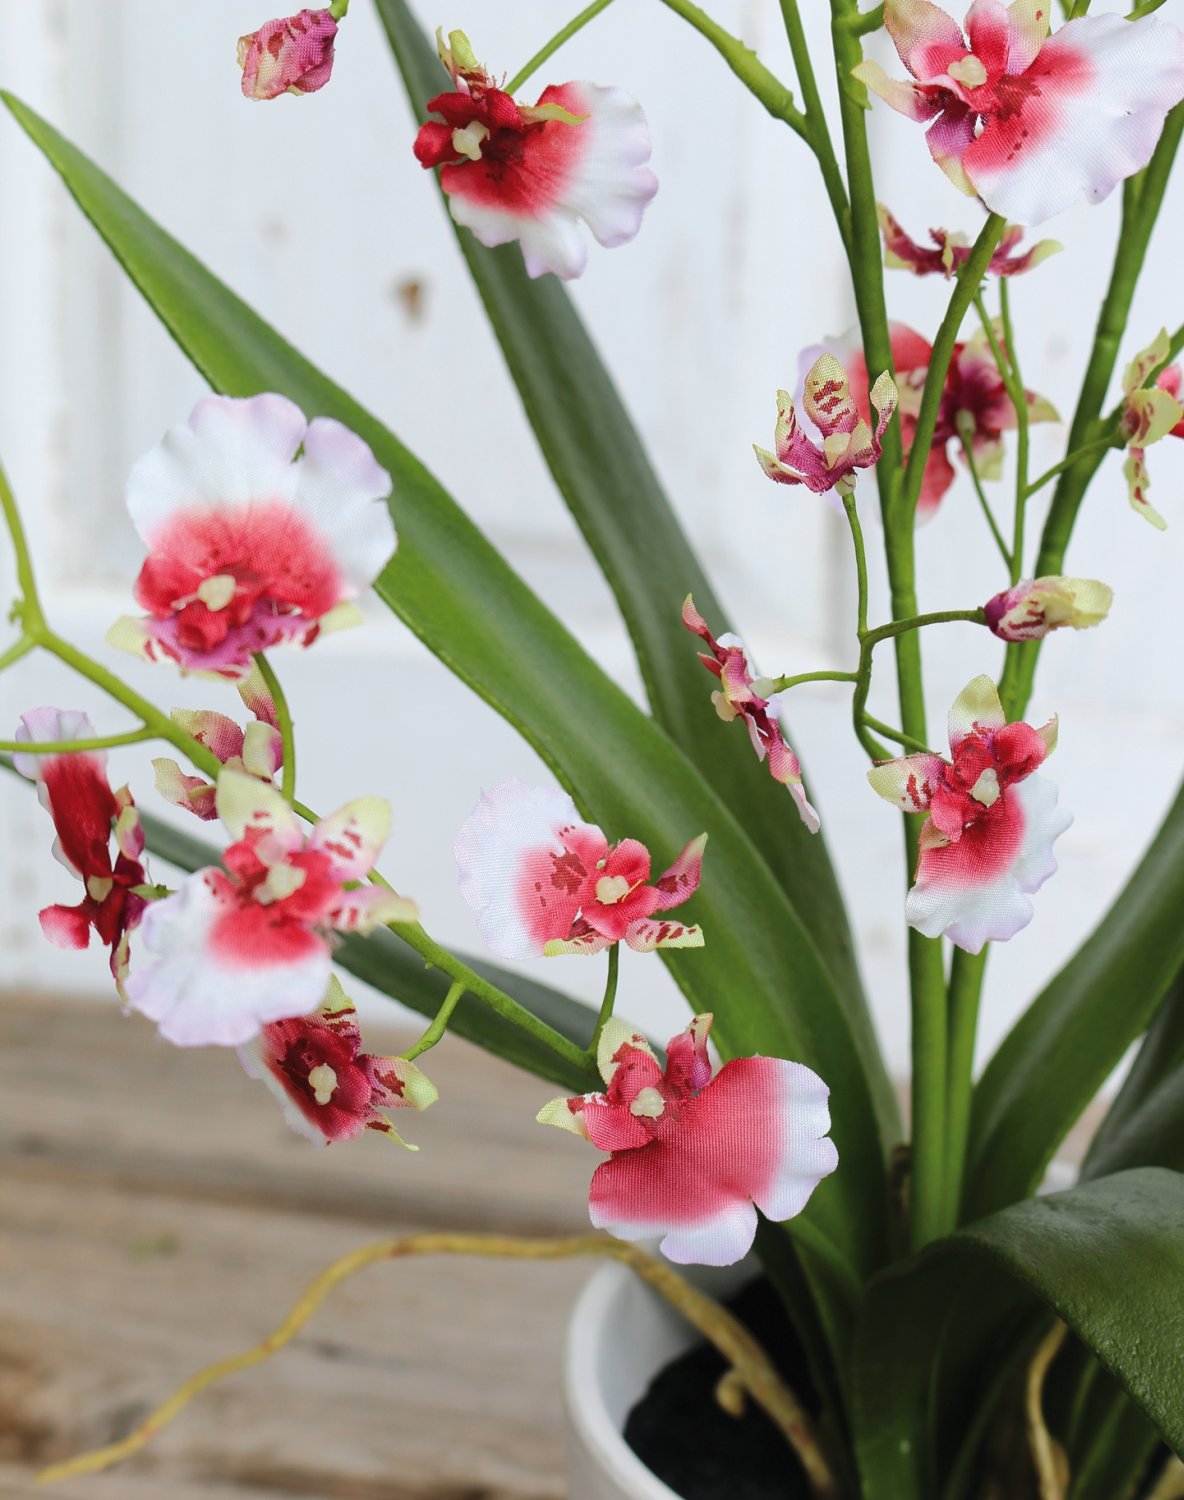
(343, 491)
(646, 936)
(615, 1035)
(526, 863)
(353, 836)
(249, 806)
(909, 782)
(65, 926)
(212, 974)
(687, 1063)
(950, 897)
(49, 726)
(219, 734)
(371, 906)
(681, 880)
(906, 98)
(1103, 88)
(926, 38)
(193, 793)
(263, 750)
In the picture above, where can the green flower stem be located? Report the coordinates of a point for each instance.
(75, 747)
(966, 983)
(1102, 446)
(782, 684)
(852, 515)
(1145, 9)
(832, 177)
(284, 714)
(966, 438)
(895, 734)
(918, 622)
(338, 9)
(610, 999)
(748, 68)
(1007, 363)
(28, 608)
(439, 1023)
(1139, 218)
(16, 651)
(577, 23)
(873, 20)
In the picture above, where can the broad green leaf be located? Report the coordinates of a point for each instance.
(398, 971)
(760, 973)
(1107, 1258)
(1061, 1050)
(605, 476)
(1127, 1134)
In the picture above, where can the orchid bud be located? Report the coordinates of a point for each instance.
(293, 55)
(1034, 607)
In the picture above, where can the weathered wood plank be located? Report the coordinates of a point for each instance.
(157, 1214)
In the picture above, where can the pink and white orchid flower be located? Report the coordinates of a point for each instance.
(848, 442)
(535, 173)
(329, 1088)
(950, 252)
(974, 401)
(1037, 606)
(250, 544)
(293, 55)
(257, 750)
(1026, 121)
(743, 695)
(987, 843)
(237, 948)
(693, 1157)
(1148, 414)
(74, 789)
(543, 883)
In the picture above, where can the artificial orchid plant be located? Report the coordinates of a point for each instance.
(965, 1338)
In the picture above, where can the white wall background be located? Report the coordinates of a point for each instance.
(316, 212)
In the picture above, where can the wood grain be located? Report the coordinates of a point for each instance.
(157, 1214)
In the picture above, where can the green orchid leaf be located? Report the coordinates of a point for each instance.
(609, 485)
(760, 972)
(1063, 1048)
(1107, 1258)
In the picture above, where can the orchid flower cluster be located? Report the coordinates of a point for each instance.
(263, 528)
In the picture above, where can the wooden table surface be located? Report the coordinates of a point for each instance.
(156, 1214)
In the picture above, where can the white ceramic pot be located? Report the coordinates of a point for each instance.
(620, 1335)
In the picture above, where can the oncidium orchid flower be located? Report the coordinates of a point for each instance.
(542, 882)
(950, 252)
(693, 1157)
(74, 789)
(987, 843)
(1027, 121)
(261, 527)
(535, 173)
(1148, 414)
(743, 695)
(1037, 606)
(848, 442)
(258, 749)
(329, 1088)
(974, 403)
(293, 55)
(236, 948)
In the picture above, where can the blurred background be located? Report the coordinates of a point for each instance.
(315, 211)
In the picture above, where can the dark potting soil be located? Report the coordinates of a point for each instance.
(682, 1434)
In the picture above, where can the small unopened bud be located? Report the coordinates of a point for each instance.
(293, 55)
(1034, 607)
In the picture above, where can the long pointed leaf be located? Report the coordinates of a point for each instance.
(605, 476)
(760, 972)
(1107, 1258)
(1060, 1052)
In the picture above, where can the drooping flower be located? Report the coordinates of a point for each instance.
(974, 399)
(74, 789)
(1037, 606)
(542, 882)
(1148, 414)
(848, 442)
(249, 544)
(949, 252)
(987, 843)
(693, 1157)
(258, 750)
(236, 948)
(292, 55)
(330, 1089)
(1027, 121)
(743, 695)
(535, 173)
